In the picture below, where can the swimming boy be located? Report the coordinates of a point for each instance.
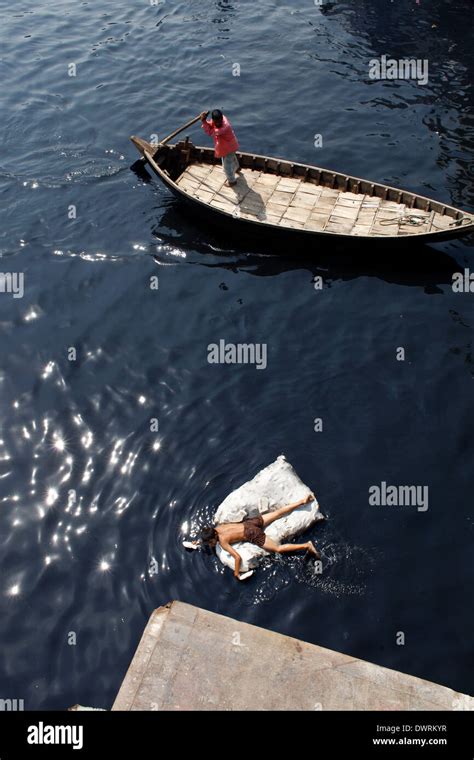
(225, 142)
(252, 529)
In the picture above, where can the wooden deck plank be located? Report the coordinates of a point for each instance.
(320, 213)
(269, 179)
(297, 214)
(251, 175)
(291, 223)
(338, 227)
(234, 193)
(392, 205)
(304, 200)
(223, 206)
(188, 177)
(290, 186)
(262, 191)
(275, 212)
(307, 197)
(259, 212)
(388, 214)
(315, 223)
(189, 186)
(213, 183)
(310, 189)
(282, 199)
(349, 202)
(253, 199)
(321, 210)
(285, 190)
(359, 229)
(253, 217)
(276, 208)
(344, 211)
(204, 195)
(198, 172)
(352, 196)
(371, 203)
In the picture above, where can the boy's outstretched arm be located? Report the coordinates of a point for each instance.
(238, 559)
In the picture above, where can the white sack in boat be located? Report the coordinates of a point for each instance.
(273, 487)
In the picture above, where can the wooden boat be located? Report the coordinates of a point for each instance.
(277, 195)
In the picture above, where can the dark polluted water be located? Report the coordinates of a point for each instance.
(91, 497)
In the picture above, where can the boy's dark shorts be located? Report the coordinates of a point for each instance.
(253, 530)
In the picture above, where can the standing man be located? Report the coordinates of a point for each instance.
(225, 142)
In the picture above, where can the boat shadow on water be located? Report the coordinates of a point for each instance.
(415, 264)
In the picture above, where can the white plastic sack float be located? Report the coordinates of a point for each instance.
(273, 487)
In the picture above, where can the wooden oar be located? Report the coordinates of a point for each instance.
(140, 144)
(181, 129)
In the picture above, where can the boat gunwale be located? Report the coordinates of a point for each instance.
(432, 234)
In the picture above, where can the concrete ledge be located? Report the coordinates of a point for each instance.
(192, 659)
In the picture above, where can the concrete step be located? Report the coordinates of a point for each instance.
(192, 659)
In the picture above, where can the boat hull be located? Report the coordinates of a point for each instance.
(233, 226)
(174, 165)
